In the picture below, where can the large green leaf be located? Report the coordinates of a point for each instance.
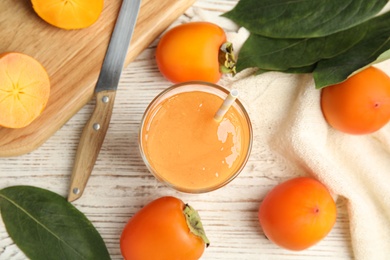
(45, 226)
(372, 48)
(283, 54)
(302, 18)
(298, 70)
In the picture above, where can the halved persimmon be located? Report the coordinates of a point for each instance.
(24, 89)
(69, 14)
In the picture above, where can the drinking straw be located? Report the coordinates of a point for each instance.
(227, 103)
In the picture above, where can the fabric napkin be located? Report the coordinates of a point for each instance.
(288, 124)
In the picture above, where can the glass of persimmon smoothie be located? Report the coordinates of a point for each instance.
(184, 146)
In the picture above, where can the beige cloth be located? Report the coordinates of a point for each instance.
(286, 113)
(288, 122)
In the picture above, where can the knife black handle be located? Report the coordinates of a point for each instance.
(90, 143)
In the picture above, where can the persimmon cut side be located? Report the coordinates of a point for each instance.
(24, 89)
(69, 14)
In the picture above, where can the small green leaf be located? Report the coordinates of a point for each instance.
(302, 18)
(372, 48)
(283, 54)
(45, 226)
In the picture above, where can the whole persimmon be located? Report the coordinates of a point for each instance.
(360, 104)
(166, 228)
(298, 213)
(194, 51)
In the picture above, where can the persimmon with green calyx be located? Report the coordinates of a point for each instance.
(24, 89)
(166, 228)
(69, 14)
(195, 51)
(360, 104)
(297, 213)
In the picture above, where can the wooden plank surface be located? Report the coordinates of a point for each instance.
(72, 59)
(121, 184)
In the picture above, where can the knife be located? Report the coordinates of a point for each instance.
(95, 130)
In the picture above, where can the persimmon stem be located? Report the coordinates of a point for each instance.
(227, 59)
(195, 224)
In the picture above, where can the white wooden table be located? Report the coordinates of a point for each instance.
(121, 184)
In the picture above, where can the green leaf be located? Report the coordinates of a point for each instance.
(302, 18)
(372, 48)
(45, 226)
(384, 56)
(283, 54)
(298, 70)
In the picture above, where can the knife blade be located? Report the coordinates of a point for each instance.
(95, 130)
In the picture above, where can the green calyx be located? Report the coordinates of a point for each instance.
(195, 224)
(227, 59)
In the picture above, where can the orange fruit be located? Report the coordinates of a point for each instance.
(191, 52)
(298, 213)
(69, 14)
(166, 229)
(24, 89)
(360, 104)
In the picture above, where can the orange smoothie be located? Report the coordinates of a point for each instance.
(185, 147)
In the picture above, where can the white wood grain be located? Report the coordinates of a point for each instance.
(121, 184)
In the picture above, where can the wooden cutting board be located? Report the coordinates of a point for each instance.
(71, 58)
